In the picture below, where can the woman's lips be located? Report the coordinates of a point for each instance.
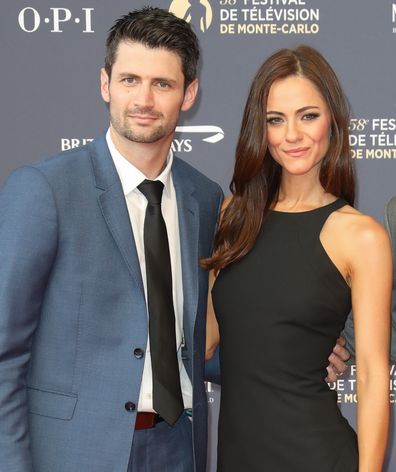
(297, 152)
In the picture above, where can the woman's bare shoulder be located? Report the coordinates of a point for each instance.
(358, 230)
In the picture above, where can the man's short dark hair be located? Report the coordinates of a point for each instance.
(155, 28)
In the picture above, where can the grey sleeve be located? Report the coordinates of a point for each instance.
(390, 224)
(349, 335)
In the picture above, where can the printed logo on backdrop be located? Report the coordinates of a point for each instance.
(394, 18)
(268, 17)
(56, 20)
(251, 17)
(345, 386)
(197, 12)
(209, 134)
(211, 390)
(373, 138)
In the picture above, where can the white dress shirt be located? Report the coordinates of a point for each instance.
(136, 202)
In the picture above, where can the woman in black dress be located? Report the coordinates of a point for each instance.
(291, 257)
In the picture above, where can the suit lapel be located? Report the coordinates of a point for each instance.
(115, 212)
(113, 205)
(188, 214)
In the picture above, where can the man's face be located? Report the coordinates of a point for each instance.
(146, 93)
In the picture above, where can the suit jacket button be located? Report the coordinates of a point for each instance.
(130, 406)
(138, 353)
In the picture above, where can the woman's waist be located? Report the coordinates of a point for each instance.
(301, 408)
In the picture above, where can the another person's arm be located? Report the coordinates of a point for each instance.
(390, 224)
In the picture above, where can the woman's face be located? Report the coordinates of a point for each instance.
(298, 125)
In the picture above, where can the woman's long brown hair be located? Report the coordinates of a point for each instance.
(256, 180)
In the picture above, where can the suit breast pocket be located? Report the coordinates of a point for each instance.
(51, 404)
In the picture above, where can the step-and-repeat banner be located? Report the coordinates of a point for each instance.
(51, 53)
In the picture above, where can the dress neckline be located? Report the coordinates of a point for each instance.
(328, 205)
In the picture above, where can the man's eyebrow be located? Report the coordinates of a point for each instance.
(123, 75)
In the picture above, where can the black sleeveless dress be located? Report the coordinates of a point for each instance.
(280, 310)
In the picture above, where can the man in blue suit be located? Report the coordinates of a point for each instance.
(75, 366)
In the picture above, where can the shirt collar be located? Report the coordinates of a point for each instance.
(131, 176)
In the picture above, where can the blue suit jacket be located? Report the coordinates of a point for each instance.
(72, 311)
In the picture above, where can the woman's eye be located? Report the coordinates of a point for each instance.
(274, 120)
(310, 116)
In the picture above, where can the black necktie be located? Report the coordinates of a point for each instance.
(167, 395)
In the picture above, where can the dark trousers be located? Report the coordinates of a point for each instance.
(163, 448)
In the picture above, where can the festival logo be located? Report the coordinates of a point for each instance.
(394, 17)
(197, 12)
(346, 387)
(373, 138)
(269, 17)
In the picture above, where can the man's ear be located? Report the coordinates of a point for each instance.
(190, 95)
(104, 85)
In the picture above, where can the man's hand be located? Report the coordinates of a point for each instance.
(337, 360)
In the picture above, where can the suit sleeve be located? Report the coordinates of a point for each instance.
(390, 224)
(28, 242)
(349, 335)
(212, 367)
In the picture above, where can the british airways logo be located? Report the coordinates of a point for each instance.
(215, 134)
(211, 134)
